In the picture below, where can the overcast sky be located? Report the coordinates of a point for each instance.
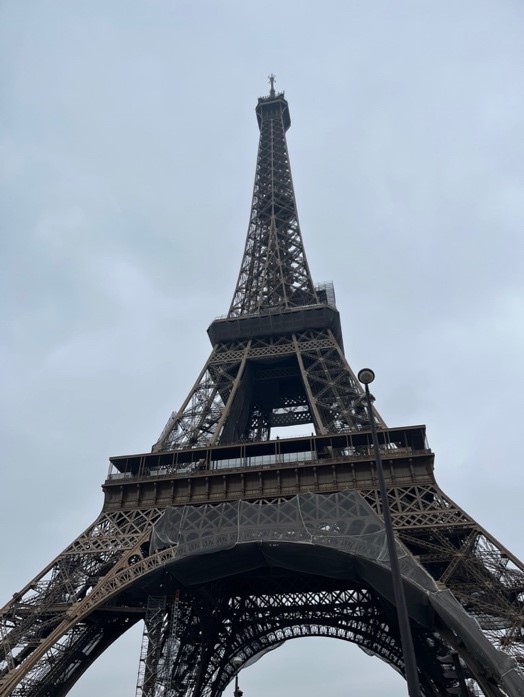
(127, 151)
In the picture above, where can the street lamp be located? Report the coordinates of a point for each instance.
(366, 376)
(237, 662)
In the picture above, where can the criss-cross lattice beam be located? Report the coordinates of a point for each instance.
(44, 604)
(486, 579)
(155, 622)
(332, 387)
(321, 390)
(274, 273)
(63, 616)
(226, 622)
(201, 417)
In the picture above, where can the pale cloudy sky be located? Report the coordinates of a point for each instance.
(127, 149)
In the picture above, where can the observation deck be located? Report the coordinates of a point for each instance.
(274, 102)
(267, 469)
(276, 323)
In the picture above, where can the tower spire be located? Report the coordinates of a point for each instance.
(272, 79)
(277, 358)
(274, 274)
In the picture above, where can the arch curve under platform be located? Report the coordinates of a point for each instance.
(337, 537)
(247, 576)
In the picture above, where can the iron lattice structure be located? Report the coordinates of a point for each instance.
(221, 587)
(274, 274)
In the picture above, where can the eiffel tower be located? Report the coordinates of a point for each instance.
(227, 540)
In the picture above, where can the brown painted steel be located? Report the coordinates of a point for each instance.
(277, 360)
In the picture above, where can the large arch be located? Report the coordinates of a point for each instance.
(292, 551)
(339, 538)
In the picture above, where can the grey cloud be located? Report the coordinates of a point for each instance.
(128, 149)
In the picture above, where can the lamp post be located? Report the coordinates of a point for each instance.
(366, 376)
(237, 662)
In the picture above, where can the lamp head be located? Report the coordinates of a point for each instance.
(366, 376)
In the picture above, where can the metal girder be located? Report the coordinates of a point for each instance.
(277, 360)
(200, 419)
(156, 624)
(239, 619)
(274, 273)
(37, 613)
(244, 388)
(483, 575)
(95, 590)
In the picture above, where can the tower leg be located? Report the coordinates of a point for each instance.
(151, 646)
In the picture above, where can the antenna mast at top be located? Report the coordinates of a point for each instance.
(272, 79)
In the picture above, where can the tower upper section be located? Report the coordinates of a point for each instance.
(274, 274)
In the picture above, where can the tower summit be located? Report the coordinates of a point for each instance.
(249, 386)
(274, 274)
(227, 541)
